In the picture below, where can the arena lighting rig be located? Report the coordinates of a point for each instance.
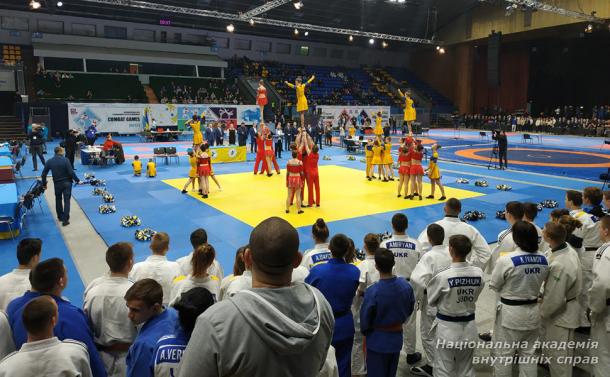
(553, 9)
(259, 20)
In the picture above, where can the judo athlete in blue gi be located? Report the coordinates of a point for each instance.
(386, 307)
(144, 301)
(50, 278)
(170, 348)
(338, 282)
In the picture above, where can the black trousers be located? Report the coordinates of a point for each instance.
(70, 156)
(63, 193)
(36, 150)
(502, 156)
(253, 146)
(278, 149)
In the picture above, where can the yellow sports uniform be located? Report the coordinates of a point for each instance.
(410, 114)
(387, 154)
(193, 163)
(378, 129)
(197, 135)
(377, 155)
(351, 131)
(151, 169)
(433, 170)
(137, 167)
(301, 99)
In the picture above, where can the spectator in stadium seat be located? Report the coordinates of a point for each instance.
(17, 282)
(50, 277)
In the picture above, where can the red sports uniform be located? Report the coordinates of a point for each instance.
(261, 97)
(294, 181)
(404, 157)
(204, 166)
(313, 179)
(416, 168)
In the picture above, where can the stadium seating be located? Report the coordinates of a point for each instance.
(197, 90)
(102, 87)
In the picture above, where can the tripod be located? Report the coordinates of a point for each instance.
(494, 161)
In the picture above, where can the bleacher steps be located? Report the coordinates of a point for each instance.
(11, 128)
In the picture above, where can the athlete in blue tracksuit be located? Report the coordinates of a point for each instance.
(141, 352)
(72, 324)
(338, 282)
(386, 307)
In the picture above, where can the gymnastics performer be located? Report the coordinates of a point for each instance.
(416, 171)
(378, 131)
(294, 181)
(410, 113)
(261, 98)
(312, 177)
(368, 155)
(377, 160)
(388, 161)
(404, 159)
(193, 172)
(434, 173)
(195, 125)
(260, 150)
(204, 168)
(269, 154)
(300, 94)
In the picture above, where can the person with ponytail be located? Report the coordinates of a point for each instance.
(202, 259)
(170, 348)
(517, 278)
(241, 278)
(320, 252)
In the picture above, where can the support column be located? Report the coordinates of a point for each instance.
(197, 70)
(84, 65)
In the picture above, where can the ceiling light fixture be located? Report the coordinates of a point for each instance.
(251, 22)
(296, 31)
(60, 4)
(351, 38)
(298, 5)
(371, 41)
(230, 28)
(34, 4)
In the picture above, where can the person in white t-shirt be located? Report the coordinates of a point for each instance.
(199, 237)
(157, 267)
(239, 268)
(320, 252)
(17, 282)
(203, 257)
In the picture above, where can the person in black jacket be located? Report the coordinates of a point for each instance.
(36, 145)
(500, 137)
(63, 175)
(70, 143)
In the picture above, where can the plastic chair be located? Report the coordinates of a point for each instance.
(170, 152)
(160, 152)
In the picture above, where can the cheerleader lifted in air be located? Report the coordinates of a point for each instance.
(261, 98)
(409, 112)
(300, 94)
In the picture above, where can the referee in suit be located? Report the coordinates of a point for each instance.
(63, 176)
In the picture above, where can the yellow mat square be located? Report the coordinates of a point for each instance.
(345, 194)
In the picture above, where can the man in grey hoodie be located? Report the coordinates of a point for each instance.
(275, 329)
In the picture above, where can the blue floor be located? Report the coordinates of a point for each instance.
(165, 209)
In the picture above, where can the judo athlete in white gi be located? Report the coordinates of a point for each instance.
(432, 262)
(239, 270)
(199, 237)
(154, 321)
(452, 225)
(157, 267)
(368, 276)
(320, 252)
(6, 336)
(589, 233)
(17, 282)
(386, 306)
(454, 292)
(517, 278)
(560, 310)
(105, 308)
(599, 302)
(43, 354)
(203, 258)
(170, 348)
(406, 252)
(269, 330)
(514, 211)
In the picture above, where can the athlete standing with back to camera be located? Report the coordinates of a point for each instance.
(500, 137)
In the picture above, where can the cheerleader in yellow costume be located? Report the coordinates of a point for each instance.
(388, 161)
(378, 159)
(378, 131)
(368, 154)
(434, 173)
(195, 125)
(300, 93)
(192, 173)
(410, 114)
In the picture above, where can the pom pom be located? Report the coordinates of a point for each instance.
(130, 221)
(145, 234)
(504, 187)
(463, 181)
(473, 216)
(105, 209)
(481, 183)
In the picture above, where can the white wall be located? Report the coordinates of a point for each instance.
(17, 28)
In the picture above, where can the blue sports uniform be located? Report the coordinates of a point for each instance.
(168, 353)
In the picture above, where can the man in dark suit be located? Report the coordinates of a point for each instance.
(63, 176)
(242, 135)
(36, 145)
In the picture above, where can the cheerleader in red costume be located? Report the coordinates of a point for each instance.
(260, 150)
(294, 181)
(261, 98)
(416, 171)
(268, 144)
(312, 177)
(204, 169)
(404, 160)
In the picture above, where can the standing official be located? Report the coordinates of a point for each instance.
(517, 278)
(599, 301)
(36, 138)
(63, 176)
(560, 310)
(454, 292)
(386, 306)
(71, 144)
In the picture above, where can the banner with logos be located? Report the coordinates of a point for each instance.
(360, 113)
(231, 153)
(130, 118)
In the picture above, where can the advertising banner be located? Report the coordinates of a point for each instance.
(230, 153)
(235, 114)
(360, 113)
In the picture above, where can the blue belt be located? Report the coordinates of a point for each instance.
(448, 318)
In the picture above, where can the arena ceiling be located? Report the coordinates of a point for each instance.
(412, 18)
